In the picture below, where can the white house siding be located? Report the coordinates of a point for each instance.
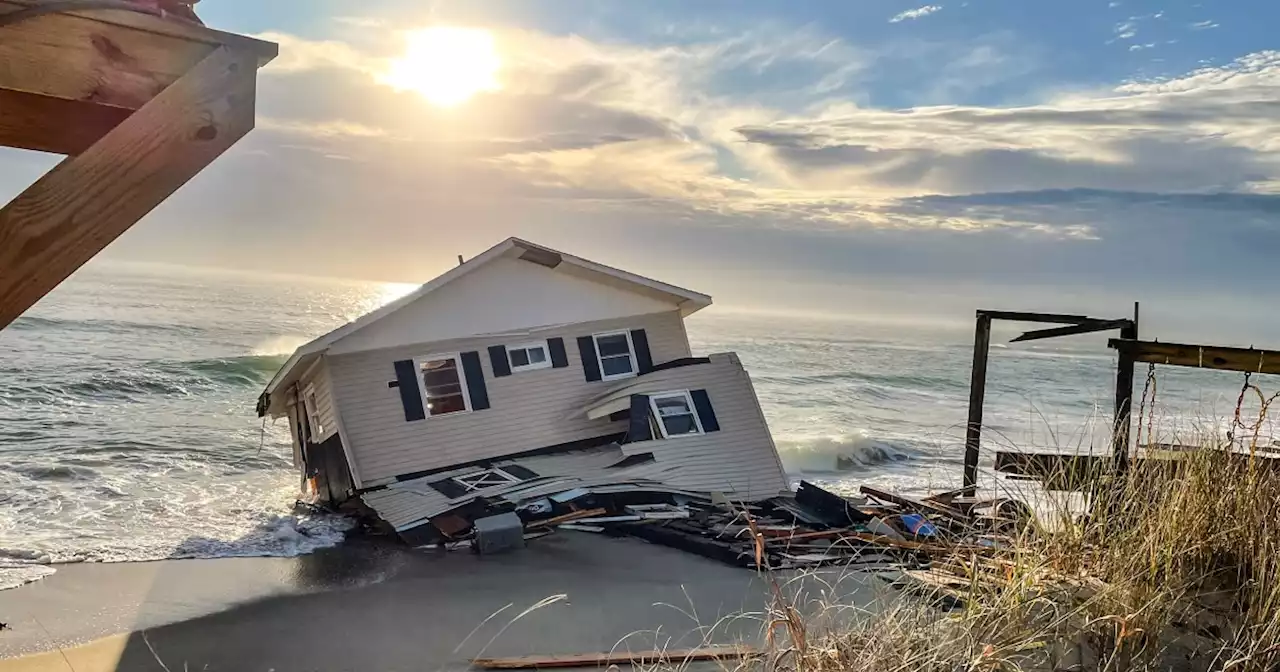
(529, 410)
(740, 459)
(325, 408)
(504, 295)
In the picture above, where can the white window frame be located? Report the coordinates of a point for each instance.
(422, 383)
(311, 406)
(495, 470)
(533, 366)
(631, 352)
(693, 410)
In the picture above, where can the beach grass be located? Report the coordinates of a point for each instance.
(1175, 565)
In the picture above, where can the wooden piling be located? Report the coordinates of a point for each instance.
(977, 393)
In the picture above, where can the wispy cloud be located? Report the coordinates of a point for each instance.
(1140, 47)
(916, 13)
(1203, 25)
(630, 128)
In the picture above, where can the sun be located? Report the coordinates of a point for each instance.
(447, 65)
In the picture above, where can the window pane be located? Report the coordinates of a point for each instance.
(519, 357)
(453, 403)
(672, 406)
(613, 345)
(614, 366)
(537, 355)
(679, 424)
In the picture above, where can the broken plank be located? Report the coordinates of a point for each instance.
(568, 517)
(1249, 360)
(915, 504)
(945, 498)
(606, 658)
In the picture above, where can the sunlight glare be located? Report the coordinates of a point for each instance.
(447, 65)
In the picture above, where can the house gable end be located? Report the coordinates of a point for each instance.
(507, 295)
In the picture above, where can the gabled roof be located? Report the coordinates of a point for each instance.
(688, 301)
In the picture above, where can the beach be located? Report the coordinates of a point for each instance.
(370, 605)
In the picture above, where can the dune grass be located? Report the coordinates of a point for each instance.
(1175, 566)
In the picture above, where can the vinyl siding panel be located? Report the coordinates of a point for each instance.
(740, 459)
(529, 409)
(325, 406)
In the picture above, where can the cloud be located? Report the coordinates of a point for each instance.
(1203, 25)
(1211, 130)
(916, 13)
(748, 128)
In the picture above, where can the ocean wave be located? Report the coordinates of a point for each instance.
(275, 535)
(158, 378)
(32, 323)
(908, 381)
(245, 371)
(838, 454)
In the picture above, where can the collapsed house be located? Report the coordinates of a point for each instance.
(519, 380)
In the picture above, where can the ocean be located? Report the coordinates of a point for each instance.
(128, 432)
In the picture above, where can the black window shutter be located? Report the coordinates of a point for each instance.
(640, 428)
(644, 361)
(559, 359)
(522, 473)
(498, 358)
(706, 414)
(449, 488)
(590, 365)
(475, 380)
(410, 394)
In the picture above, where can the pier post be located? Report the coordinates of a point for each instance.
(1124, 395)
(977, 393)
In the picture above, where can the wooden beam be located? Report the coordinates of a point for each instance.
(1251, 360)
(1124, 397)
(85, 202)
(607, 658)
(977, 395)
(117, 58)
(1052, 318)
(1072, 330)
(143, 21)
(45, 124)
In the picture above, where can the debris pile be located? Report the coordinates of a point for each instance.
(811, 528)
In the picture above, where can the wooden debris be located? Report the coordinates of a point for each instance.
(576, 515)
(918, 505)
(607, 658)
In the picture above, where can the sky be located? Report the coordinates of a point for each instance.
(860, 156)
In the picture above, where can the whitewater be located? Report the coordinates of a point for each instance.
(128, 432)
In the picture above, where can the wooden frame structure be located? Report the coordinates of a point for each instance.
(138, 103)
(1072, 324)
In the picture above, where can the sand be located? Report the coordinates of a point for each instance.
(378, 606)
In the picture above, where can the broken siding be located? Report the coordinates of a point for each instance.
(410, 503)
(739, 460)
(528, 409)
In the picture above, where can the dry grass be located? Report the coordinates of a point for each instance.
(1176, 567)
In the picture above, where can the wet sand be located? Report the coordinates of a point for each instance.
(372, 605)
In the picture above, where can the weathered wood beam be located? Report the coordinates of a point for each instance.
(977, 397)
(619, 657)
(149, 23)
(1072, 330)
(1251, 360)
(44, 124)
(1052, 318)
(76, 58)
(87, 201)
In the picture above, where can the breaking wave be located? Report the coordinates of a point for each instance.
(159, 378)
(838, 454)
